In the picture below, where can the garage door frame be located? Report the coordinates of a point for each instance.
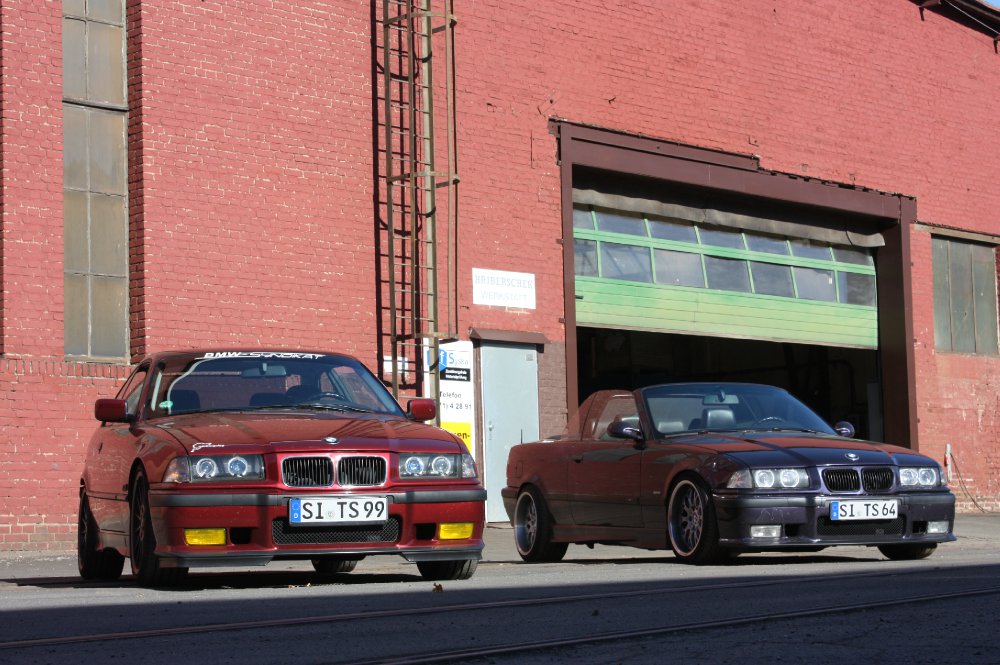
(733, 173)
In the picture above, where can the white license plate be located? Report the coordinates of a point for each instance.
(338, 510)
(864, 510)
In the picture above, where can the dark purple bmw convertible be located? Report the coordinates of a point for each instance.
(711, 470)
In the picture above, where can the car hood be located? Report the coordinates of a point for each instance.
(759, 449)
(305, 432)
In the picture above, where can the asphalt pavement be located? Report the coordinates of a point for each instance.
(974, 531)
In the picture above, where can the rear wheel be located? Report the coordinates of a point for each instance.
(142, 541)
(447, 570)
(691, 525)
(533, 529)
(94, 563)
(329, 565)
(907, 552)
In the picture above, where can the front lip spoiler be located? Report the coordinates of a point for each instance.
(219, 499)
(238, 559)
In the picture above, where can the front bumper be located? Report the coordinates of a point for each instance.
(805, 522)
(258, 531)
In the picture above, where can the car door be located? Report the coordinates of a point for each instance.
(604, 471)
(110, 461)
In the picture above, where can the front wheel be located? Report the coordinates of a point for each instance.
(447, 570)
(93, 563)
(691, 525)
(533, 529)
(907, 552)
(142, 541)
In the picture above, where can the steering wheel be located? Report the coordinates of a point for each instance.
(324, 394)
(767, 419)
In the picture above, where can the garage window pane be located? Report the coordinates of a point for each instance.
(585, 258)
(621, 222)
(111, 11)
(721, 237)
(583, 219)
(814, 284)
(808, 249)
(861, 257)
(772, 279)
(75, 147)
(769, 244)
(856, 289)
(625, 262)
(727, 274)
(678, 268)
(963, 328)
(679, 231)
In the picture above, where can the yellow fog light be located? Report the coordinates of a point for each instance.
(205, 536)
(455, 531)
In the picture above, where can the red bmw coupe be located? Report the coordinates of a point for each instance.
(236, 458)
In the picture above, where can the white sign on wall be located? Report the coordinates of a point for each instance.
(503, 289)
(457, 401)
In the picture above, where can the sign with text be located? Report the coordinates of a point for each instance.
(500, 288)
(457, 391)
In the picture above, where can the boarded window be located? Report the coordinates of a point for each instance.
(965, 296)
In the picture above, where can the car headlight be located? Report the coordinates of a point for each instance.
(769, 479)
(919, 476)
(437, 466)
(203, 468)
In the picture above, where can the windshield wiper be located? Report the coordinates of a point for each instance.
(783, 429)
(329, 407)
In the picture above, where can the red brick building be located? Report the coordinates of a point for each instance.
(191, 173)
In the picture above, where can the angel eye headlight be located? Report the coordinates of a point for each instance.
(227, 467)
(441, 466)
(763, 478)
(205, 468)
(413, 466)
(238, 467)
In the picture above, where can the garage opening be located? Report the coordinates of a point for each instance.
(838, 383)
(687, 263)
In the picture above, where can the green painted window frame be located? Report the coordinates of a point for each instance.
(745, 255)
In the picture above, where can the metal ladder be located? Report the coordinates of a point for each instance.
(412, 42)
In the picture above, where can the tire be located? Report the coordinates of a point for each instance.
(692, 526)
(447, 570)
(142, 541)
(93, 563)
(907, 552)
(533, 529)
(329, 565)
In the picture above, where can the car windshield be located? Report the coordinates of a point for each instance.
(697, 407)
(252, 380)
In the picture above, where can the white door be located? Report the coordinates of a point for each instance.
(510, 412)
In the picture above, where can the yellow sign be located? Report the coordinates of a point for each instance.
(462, 431)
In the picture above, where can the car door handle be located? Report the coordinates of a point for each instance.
(578, 459)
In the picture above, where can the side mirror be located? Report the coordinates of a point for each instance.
(622, 430)
(421, 409)
(112, 411)
(845, 429)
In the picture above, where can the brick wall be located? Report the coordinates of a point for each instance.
(46, 418)
(252, 197)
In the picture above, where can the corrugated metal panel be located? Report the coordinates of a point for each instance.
(618, 304)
